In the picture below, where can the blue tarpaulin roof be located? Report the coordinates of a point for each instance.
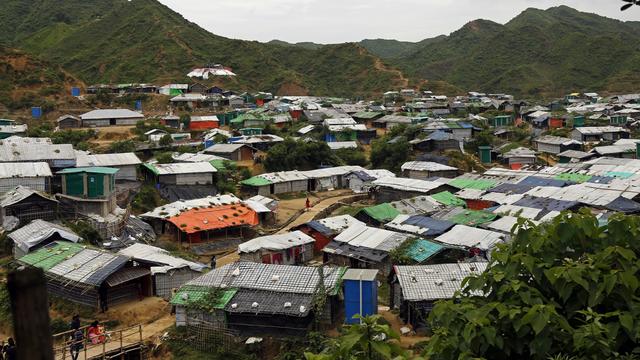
(624, 205)
(315, 225)
(508, 188)
(435, 226)
(546, 203)
(439, 136)
(540, 181)
(601, 179)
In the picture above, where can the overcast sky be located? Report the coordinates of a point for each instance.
(333, 21)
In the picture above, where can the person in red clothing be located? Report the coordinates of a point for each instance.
(308, 204)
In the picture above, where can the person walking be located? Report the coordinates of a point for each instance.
(77, 343)
(307, 204)
(10, 350)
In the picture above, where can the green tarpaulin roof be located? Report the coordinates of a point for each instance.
(192, 294)
(366, 114)
(256, 181)
(577, 178)
(152, 168)
(51, 255)
(91, 170)
(382, 213)
(472, 184)
(472, 217)
(219, 164)
(447, 198)
(422, 250)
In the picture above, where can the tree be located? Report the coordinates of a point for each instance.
(366, 341)
(122, 146)
(569, 287)
(164, 158)
(388, 155)
(299, 155)
(354, 157)
(166, 140)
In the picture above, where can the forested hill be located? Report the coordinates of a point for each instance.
(144, 41)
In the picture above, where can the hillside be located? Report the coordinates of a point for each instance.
(538, 53)
(26, 82)
(144, 41)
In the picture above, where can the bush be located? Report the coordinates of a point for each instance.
(355, 157)
(87, 232)
(146, 199)
(122, 146)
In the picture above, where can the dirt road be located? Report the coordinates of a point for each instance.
(312, 212)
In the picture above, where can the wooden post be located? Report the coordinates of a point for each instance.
(30, 309)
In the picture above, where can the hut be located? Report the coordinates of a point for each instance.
(276, 183)
(88, 276)
(126, 163)
(293, 248)
(204, 123)
(39, 233)
(168, 272)
(263, 299)
(201, 173)
(364, 247)
(17, 149)
(325, 230)
(26, 204)
(88, 190)
(34, 175)
(69, 122)
(234, 152)
(415, 289)
(390, 189)
(110, 117)
(425, 169)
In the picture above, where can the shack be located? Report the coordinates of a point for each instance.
(26, 204)
(168, 272)
(84, 275)
(89, 190)
(276, 183)
(391, 189)
(203, 123)
(68, 122)
(363, 247)
(110, 117)
(263, 299)
(180, 173)
(556, 144)
(325, 230)
(234, 152)
(126, 163)
(17, 149)
(37, 234)
(425, 169)
(293, 248)
(34, 175)
(415, 289)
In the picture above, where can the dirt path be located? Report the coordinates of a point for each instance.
(406, 341)
(379, 65)
(312, 212)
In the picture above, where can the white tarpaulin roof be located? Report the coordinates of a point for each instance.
(462, 235)
(37, 231)
(276, 242)
(159, 256)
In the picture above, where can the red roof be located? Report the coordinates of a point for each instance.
(215, 218)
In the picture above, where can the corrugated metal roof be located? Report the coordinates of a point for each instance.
(126, 275)
(177, 207)
(276, 242)
(84, 159)
(111, 114)
(37, 231)
(160, 257)
(406, 184)
(90, 266)
(371, 238)
(420, 225)
(24, 150)
(342, 145)
(90, 170)
(505, 224)
(427, 166)
(270, 277)
(24, 170)
(223, 148)
(466, 236)
(196, 158)
(20, 193)
(181, 168)
(435, 282)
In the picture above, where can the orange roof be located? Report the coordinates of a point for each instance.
(215, 218)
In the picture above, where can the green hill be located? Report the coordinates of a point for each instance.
(27, 82)
(538, 53)
(144, 41)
